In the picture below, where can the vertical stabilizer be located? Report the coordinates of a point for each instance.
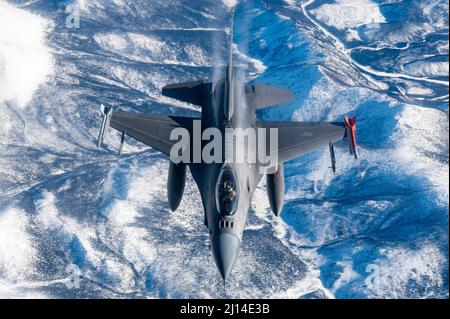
(229, 96)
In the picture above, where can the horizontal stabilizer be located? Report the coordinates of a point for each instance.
(189, 92)
(266, 95)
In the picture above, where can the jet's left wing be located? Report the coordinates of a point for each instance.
(152, 130)
(298, 138)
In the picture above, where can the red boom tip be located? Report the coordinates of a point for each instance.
(350, 123)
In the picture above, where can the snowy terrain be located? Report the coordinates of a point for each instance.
(379, 228)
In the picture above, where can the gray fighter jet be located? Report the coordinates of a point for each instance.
(227, 186)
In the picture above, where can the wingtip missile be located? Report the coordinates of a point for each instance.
(122, 139)
(106, 113)
(332, 158)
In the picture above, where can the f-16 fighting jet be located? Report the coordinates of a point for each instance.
(227, 182)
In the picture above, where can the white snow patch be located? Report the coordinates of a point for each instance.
(291, 2)
(65, 227)
(230, 3)
(17, 253)
(443, 48)
(421, 68)
(422, 130)
(402, 265)
(122, 214)
(256, 64)
(25, 61)
(145, 42)
(112, 41)
(48, 214)
(349, 13)
(348, 274)
(416, 90)
(303, 287)
(150, 49)
(352, 35)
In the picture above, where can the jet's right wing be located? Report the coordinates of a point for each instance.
(298, 138)
(152, 130)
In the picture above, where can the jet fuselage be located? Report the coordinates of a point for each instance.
(226, 226)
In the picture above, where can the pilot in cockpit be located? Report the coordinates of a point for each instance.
(228, 196)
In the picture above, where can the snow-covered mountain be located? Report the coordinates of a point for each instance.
(379, 228)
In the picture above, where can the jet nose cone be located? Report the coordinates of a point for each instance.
(225, 250)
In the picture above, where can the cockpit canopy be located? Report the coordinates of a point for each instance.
(227, 192)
